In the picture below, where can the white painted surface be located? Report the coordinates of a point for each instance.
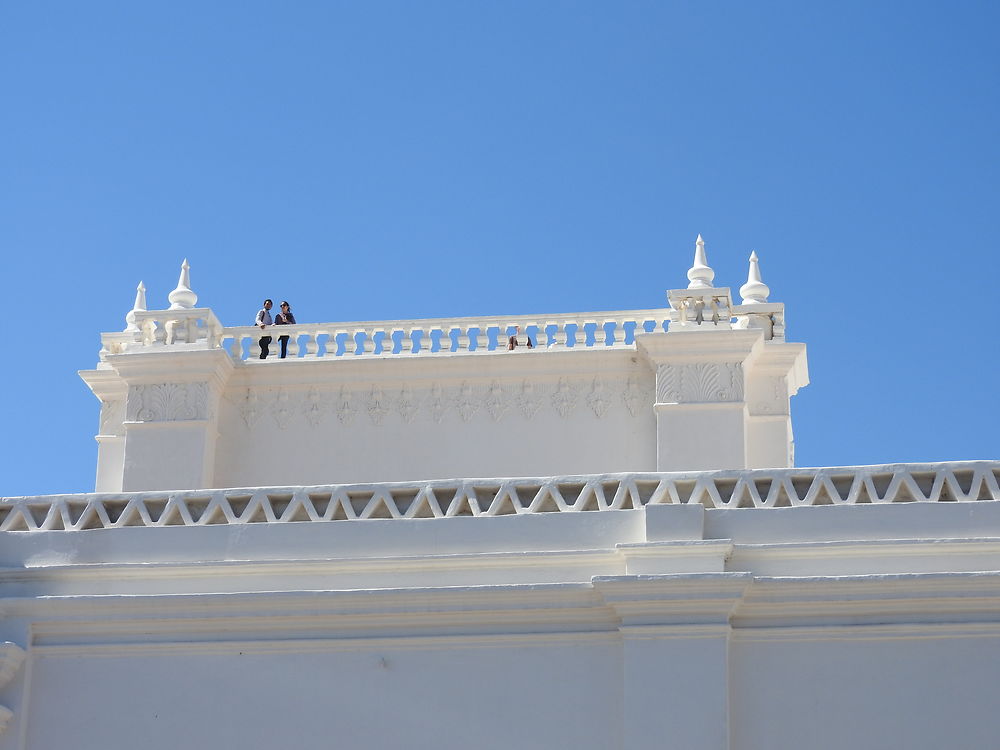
(187, 404)
(673, 605)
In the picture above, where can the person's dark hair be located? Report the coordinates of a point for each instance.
(268, 300)
(284, 303)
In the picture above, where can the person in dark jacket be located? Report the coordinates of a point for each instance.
(284, 318)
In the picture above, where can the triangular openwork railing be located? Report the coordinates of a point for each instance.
(760, 488)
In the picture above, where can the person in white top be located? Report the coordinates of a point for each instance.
(263, 320)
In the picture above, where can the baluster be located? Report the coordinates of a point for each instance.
(439, 340)
(255, 344)
(340, 340)
(526, 330)
(628, 330)
(499, 341)
(558, 336)
(367, 341)
(405, 339)
(312, 344)
(385, 342)
(504, 332)
(613, 336)
(462, 339)
(293, 346)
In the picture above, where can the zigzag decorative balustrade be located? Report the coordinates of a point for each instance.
(436, 335)
(765, 488)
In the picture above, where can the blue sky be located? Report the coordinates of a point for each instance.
(380, 160)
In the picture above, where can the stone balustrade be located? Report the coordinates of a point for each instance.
(441, 335)
(201, 328)
(763, 488)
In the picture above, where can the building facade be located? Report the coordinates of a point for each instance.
(597, 542)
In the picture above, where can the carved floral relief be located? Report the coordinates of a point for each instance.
(167, 402)
(701, 382)
(599, 395)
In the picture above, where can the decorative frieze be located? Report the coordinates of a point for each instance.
(437, 405)
(632, 397)
(701, 382)
(313, 407)
(597, 399)
(167, 402)
(378, 405)
(407, 405)
(345, 407)
(496, 401)
(465, 402)
(564, 398)
(528, 402)
(281, 409)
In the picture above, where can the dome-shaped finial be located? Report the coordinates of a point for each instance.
(182, 298)
(139, 306)
(754, 291)
(700, 274)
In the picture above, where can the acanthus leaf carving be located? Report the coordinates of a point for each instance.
(597, 399)
(314, 407)
(564, 398)
(437, 404)
(466, 402)
(700, 382)
(496, 401)
(668, 384)
(632, 396)
(408, 405)
(249, 406)
(346, 410)
(112, 412)
(378, 406)
(529, 402)
(167, 402)
(282, 409)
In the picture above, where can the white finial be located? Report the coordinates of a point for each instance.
(139, 306)
(182, 298)
(700, 275)
(754, 291)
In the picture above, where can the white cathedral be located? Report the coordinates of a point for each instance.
(406, 534)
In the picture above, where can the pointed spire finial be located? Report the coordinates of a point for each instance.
(182, 298)
(138, 306)
(754, 291)
(700, 275)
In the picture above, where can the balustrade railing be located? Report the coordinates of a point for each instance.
(966, 481)
(443, 335)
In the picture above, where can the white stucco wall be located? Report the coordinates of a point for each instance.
(862, 612)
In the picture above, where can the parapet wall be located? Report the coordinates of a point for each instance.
(188, 404)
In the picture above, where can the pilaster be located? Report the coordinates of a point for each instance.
(167, 437)
(675, 647)
(700, 406)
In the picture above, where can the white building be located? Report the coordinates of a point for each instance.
(656, 574)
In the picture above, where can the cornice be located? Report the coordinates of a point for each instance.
(871, 600)
(173, 366)
(690, 347)
(698, 599)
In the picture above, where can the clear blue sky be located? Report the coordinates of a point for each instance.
(376, 160)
